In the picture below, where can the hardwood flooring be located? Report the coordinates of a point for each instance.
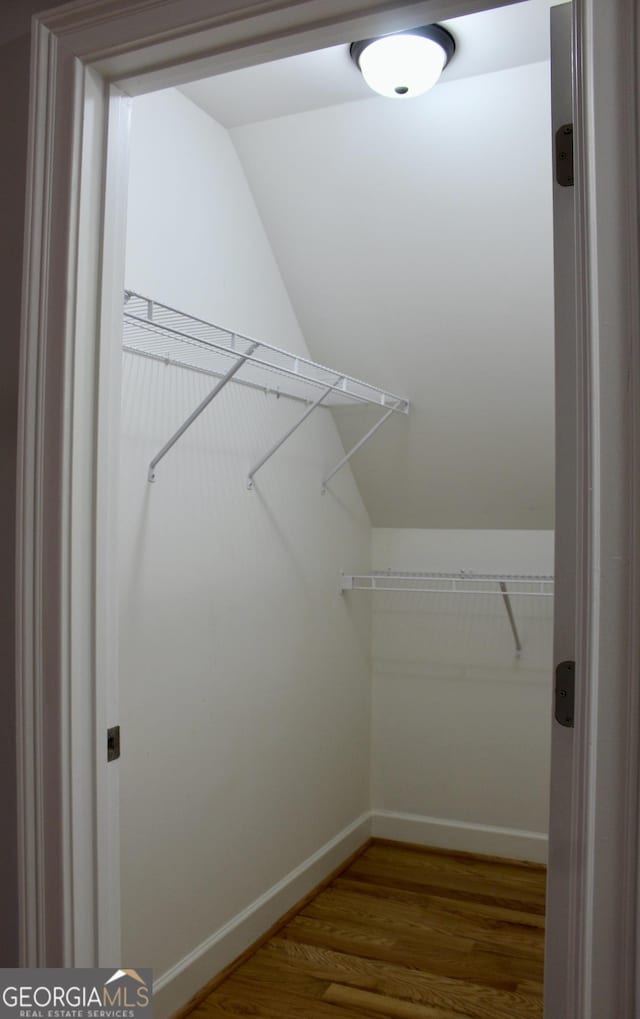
(404, 933)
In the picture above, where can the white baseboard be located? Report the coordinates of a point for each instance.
(174, 988)
(511, 843)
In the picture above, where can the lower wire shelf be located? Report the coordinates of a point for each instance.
(462, 582)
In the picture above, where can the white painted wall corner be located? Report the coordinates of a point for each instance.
(177, 985)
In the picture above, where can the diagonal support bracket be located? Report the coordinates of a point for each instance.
(514, 628)
(267, 456)
(358, 445)
(235, 367)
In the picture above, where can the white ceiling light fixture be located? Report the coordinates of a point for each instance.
(406, 64)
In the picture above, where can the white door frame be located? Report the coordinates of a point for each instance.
(66, 522)
(557, 988)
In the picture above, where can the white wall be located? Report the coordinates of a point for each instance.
(416, 242)
(245, 680)
(461, 727)
(245, 677)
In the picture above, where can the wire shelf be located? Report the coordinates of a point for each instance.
(462, 582)
(156, 331)
(506, 585)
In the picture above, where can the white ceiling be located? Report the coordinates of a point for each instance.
(490, 41)
(415, 242)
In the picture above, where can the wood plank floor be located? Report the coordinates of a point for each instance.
(404, 933)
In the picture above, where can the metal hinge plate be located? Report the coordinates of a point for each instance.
(564, 156)
(113, 743)
(565, 693)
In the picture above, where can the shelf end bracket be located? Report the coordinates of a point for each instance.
(358, 445)
(274, 449)
(514, 628)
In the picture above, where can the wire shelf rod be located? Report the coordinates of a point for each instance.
(210, 373)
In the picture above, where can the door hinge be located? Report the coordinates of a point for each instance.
(565, 693)
(113, 743)
(564, 156)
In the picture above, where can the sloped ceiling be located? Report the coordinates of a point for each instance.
(415, 241)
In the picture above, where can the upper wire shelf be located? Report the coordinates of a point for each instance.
(156, 331)
(173, 337)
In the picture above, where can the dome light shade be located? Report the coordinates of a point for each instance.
(406, 64)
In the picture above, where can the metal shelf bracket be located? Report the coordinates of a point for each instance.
(514, 629)
(267, 456)
(198, 411)
(358, 445)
